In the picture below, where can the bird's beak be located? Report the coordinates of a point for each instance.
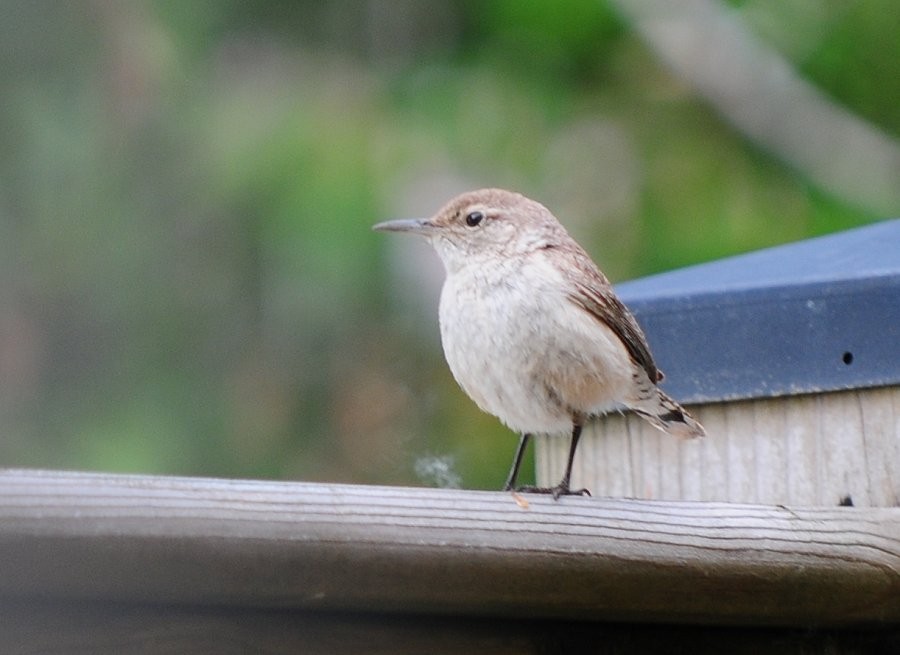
(421, 226)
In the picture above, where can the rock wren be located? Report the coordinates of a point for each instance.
(531, 328)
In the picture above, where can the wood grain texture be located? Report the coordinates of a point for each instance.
(233, 543)
(798, 450)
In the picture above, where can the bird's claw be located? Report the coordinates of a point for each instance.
(556, 491)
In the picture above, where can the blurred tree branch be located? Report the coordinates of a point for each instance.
(760, 92)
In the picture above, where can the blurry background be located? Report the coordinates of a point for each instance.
(188, 281)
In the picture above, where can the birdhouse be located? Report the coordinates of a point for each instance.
(789, 356)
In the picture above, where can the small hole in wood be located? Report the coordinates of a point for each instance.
(847, 358)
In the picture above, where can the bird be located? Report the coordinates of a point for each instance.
(531, 328)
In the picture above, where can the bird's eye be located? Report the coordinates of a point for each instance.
(474, 218)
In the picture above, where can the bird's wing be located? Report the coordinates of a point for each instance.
(594, 295)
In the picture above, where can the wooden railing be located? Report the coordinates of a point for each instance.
(89, 545)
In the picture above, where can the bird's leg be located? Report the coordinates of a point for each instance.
(562, 489)
(517, 462)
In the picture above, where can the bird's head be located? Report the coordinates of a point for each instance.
(482, 225)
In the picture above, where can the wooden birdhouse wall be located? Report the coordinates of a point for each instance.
(814, 449)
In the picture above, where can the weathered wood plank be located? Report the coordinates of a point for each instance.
(794, 450)
(380, 549)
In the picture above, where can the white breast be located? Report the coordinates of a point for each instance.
(526, 354)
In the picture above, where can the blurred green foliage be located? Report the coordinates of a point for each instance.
(188, 282)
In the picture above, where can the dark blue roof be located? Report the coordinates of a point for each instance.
(818, 315)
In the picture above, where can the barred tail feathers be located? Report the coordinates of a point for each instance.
(667, 415)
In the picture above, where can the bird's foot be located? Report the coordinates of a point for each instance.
(556, 491)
